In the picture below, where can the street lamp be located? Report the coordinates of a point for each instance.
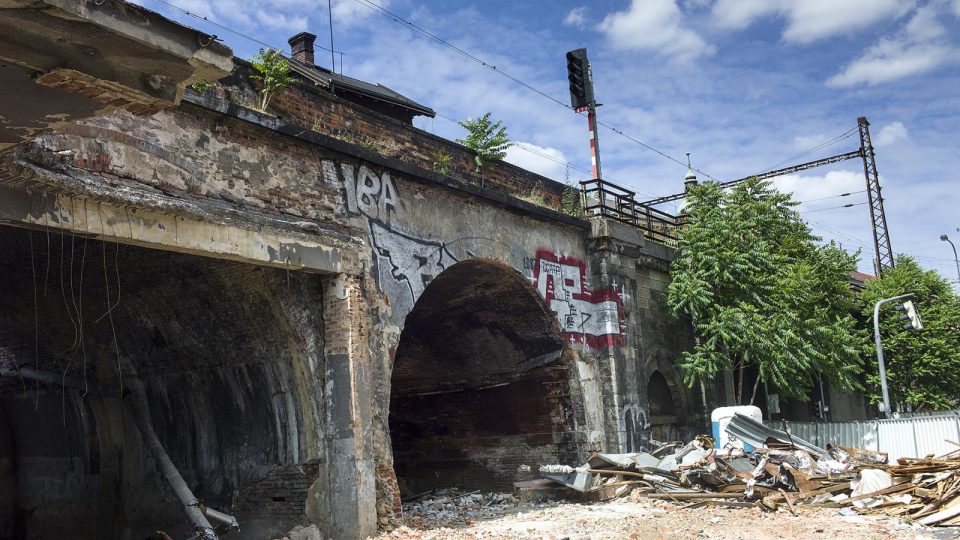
(914, 322)
(946, 239)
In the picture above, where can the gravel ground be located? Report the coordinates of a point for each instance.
(501, 516)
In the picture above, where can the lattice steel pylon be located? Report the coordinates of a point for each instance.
(881, 236)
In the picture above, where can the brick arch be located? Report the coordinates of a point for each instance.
(666, 424)
(481, 382)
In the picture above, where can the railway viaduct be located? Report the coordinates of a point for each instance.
(309, 320)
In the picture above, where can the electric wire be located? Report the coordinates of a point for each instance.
(849, 133)
(400, 20)
(832, 197)
(568, 164)
(231, 30)
(850, 205)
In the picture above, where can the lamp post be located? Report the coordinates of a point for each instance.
(947, 239)
(876, 338)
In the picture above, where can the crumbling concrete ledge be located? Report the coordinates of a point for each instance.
(87, 204)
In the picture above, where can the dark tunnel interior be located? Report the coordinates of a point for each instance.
(215, 352)
(479, 386)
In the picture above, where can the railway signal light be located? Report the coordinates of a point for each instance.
(578, 73)
(910, 314)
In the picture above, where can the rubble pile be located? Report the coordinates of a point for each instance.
(775, 471)
(453, 506)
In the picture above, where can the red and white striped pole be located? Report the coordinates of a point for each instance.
(594, 141)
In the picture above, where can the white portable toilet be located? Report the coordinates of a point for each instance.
(721, 417)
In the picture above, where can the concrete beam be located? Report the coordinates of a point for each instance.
(63, 60)
(171, 232)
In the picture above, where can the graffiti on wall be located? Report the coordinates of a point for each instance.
(404, 263)
(412, 261)
(586, 316)
(635, 428)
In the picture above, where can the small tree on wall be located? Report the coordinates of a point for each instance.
(488, 139)
(273, 74)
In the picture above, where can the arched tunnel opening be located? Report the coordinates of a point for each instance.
(217, 356)
(481, 384)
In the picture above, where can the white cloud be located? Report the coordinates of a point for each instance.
(348, 13)
(805, 142)
(811, 187)
(278, 21)
(956, 7)
(739, 14)
(654, 25)
(891, 134)
(577, 18)
(810, 20)
(539, 159)
(918, 48)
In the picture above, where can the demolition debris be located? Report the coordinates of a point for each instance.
(772, 470)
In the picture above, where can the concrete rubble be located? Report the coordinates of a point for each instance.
(780, 472)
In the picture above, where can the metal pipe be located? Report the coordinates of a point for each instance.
(59, 379)
(876, 339)
(137, 405)
(224, 521)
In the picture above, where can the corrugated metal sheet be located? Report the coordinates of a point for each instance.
(916, 436)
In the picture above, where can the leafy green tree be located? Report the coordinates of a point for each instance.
(273, 74)
(761, 292)
(923, 367)
(487, 139)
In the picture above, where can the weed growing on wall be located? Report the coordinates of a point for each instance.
(201, 86)
(273, 74)
(488, 139)
(571, 202)
(441, 163)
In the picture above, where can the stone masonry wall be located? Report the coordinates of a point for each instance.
(321, 111)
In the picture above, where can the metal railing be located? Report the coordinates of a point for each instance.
(602, 198)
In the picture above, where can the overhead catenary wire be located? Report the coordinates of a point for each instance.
(231, 30)
(554, 159)
(400, 20)
(850, 205)
(832, 196)
(849, 133)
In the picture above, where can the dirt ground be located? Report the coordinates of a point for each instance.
(475, 516)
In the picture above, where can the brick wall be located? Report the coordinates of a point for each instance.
(321, 111)
(479, 438)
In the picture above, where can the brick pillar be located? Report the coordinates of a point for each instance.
(350, 464)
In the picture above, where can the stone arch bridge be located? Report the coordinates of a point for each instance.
(310, 328)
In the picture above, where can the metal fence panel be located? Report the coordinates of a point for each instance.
(856, 434)
(916, 436)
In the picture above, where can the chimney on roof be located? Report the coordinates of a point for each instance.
(301, 46)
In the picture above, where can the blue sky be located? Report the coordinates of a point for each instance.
(742, 84)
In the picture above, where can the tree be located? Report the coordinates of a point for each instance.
(761, 292)
(273, 74)
(923, 367)
(487, 139)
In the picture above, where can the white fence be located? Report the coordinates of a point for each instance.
(916, 436)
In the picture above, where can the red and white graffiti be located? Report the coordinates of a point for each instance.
(586, 316)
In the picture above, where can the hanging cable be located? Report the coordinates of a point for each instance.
(228, 29)
(400, 20)
(849, 133)
(833, 208)
(832, 197)
(569, 164)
